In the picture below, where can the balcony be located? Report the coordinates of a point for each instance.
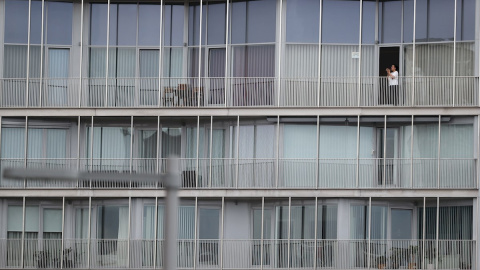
(240, 254)
(446, 91)
(231, 173)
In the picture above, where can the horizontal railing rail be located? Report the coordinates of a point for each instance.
(263, 173)
(184, 92)
(239, 254)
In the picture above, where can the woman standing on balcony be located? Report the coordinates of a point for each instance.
(392, 75)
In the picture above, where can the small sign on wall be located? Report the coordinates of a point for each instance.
(355, 55)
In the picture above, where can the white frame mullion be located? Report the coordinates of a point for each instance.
(25, 160)
(413, 50)
(41, 53)
(359, 73)
(22, 249)
(357, 174)
(226, 80)
(289, 230)
(81, 57)
(384, 142)
(369, 241)
(155, 235)
(210, 154)
(437, 233)
(237, 145)
(319, 72)
(280, 49)
(197, 151)
(439, 147)
(277, 169)
(411, 153)
(315, 244)
(221, 232)
(89, 240)
(261, 233)
(28, 54)
(63, 232)
(160, 56)
(454, 53)
(200, 54)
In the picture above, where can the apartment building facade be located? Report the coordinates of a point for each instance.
(295, 150)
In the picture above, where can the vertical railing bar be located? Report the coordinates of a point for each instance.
(277, 169)
(357, 174)
(25, 160)
(317, 166)
(210, 154)
(439, 149)
(131, 148)
(197, 152)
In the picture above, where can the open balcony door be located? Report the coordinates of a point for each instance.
(216, 73)
(388, 56)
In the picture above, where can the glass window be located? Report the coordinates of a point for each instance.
(194, 24)
(369, 10)
(216, 23)
(47, 143)
(390, 25)
(340, 20)
(435, 20)
(253, 21)
(456, 138)
(59, 23)
(302, 222)
(52, 223)
(254, 61)
(327, 222)
(299, 141)
(127, 25)
(303, 20)
(98, 24)
(112, 222)
(408, 6)
(16, 21)
(148, 25)
(36, 22)
(13, 142)
(173, 25)
(110, 143)
(465, 19)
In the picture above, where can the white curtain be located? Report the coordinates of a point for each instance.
(13, 143)
(358, 222)
(456, 141)
(122, 243)
(173, 62)
(81, 223)
(301, 61)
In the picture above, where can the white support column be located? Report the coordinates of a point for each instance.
(107, 52)
(411, 154)
(81, 58)
(131, 148)
(436, 233)
(200, 54)
(277, 169)
(319, 74)
(289, 229)
(28, 53)
(438, 152)
(197, 151)
(413, 51)
(315, 244)
(78, 144)
(423, 231)
(221, 232)
(454, 53)
(158, 150)
(129, 230)
(227, 77)
(63, 233)
(91, 152)
(237, 149)
(160, 55)
(25, 160)
(357, 174)
(359, 55)
(22, 250)
(317, 166)
(210, 156)
(369, 231)
(41, 53)
(384, 180)
(195, 235)
(261, 233)
(279, 65)
(155, 234)
(89, 241)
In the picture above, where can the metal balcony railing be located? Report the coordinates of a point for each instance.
(266, 173)
(449, 91)
(240, 254)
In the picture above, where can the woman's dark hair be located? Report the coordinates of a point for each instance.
(395, 66)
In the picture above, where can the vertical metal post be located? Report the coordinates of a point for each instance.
(261, 233)
(22, 250)
(63, 233)
(436, 233)
(91, 151)
(319, 72)
(158, 149)
(107, 53)
(131, 149)
(359, 74)
(423, 231)
(78, 145)
(413, 50)
(369, 231)
(221, 232)
(454, 53)
(317, 165)
(197, 151)
(210, 156)
(27, 89)
(81, 57)
(227, 77)
(129, 230)
(89, 240)
(279, 65)
(357, 174)
(41, 52)
(237, 143)
(171, 215)
(25, 160)
(439, 147)
(277, 169)
(155, 233)
(200, 54)
(411, 154)
(289, 229)
(315, 244)
(195, 235)
(160, 54)
(384, 180)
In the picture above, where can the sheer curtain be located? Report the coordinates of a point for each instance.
(111, 148)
